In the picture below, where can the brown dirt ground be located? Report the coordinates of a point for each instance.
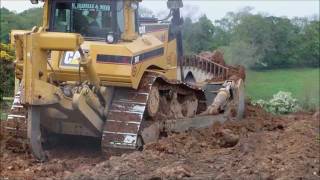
(262, 146)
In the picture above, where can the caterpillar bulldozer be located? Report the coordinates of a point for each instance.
(94, 69)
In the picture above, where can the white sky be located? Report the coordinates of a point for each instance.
(214, 9)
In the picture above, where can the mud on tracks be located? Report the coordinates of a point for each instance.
(262, 146)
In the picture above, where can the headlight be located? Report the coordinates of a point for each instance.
(134, 5)
(110, 38)
(34, 1)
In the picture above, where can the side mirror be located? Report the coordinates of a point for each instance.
(174, 4)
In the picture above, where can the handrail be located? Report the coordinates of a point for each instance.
(205, 64)
(8, 98)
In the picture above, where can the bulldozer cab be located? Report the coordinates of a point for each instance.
(94, 20)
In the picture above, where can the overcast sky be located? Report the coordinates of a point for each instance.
(214, 9)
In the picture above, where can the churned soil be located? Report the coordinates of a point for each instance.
(262, 146)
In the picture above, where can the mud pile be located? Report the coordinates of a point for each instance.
(234, 72)
(262, 146)
(64, 160)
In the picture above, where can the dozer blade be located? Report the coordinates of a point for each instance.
(34, 133)
(240, 99)
(236, 108)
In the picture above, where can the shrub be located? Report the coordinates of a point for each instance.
(7, 57)
(281, 103)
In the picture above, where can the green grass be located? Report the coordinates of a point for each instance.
(4, 107)
(302, 83)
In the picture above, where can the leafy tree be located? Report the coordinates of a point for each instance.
(309, 54)
(268, 42)
(186, 34)
(25, 20)
(241, 53)
(255, 31)
(6, 70)
(283, 33)
(198, 36)
(221, 37)
(9, 21)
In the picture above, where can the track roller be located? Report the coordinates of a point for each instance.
(153, 102)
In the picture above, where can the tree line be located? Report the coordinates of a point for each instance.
(9, 21)
(25, 20)
(256, 41)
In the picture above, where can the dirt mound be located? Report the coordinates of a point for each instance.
(262, 146)
(64, 159)
(234, 72)
(215, 56)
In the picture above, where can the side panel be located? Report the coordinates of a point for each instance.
(107, 60)
(165, 64)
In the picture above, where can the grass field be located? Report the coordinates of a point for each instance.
(302, 83)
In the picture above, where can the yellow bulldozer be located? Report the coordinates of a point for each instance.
(94, 68)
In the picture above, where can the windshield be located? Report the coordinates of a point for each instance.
(90, 18)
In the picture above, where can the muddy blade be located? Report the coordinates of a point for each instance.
(34, 133)
(236, 107)
(240, 99)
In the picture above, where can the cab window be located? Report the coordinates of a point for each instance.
(91, 19)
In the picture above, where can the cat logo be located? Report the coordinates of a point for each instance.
(70, 59)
